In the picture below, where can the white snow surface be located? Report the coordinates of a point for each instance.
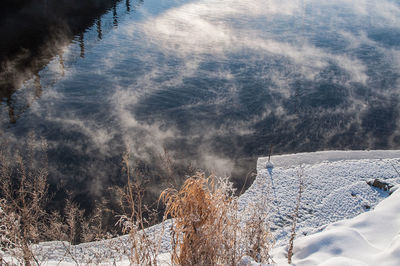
(334, 188)
(335, 192)
(371, 238)
(340, 222)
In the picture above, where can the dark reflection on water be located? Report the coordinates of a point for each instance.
(214, 82)
(35, 31)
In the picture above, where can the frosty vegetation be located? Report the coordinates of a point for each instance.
(205, 225)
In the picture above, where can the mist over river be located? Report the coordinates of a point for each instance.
(213, 82)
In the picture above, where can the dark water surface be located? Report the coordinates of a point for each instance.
(215, 82)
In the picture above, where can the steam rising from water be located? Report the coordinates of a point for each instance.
(218, 81)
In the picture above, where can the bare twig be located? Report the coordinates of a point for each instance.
(295, 215)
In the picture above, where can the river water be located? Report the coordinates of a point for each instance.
(214, 82)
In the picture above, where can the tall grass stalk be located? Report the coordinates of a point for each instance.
(144, 248)
(295, 215)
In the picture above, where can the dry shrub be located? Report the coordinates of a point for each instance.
(93, 227)
(74, 219)
(10, 241)
(82, 227)
(207, 227)
(23, 189)
(256, 236)
(195, 213)
(24, 195)
(75, 227)
(144, 248)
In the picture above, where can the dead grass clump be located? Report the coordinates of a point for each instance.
(204, 213)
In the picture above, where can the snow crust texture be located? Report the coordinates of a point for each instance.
(332, 190)
(329, 232)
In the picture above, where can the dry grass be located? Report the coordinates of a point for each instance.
(207, 228)
(256, 236)
(23, 189)
(195, 213)
(144, 248)
(24, 195)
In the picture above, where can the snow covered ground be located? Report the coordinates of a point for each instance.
(335, 187)
(335, 190)
(341, 221)
(371, 238)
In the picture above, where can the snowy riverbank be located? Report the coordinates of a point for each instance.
(335, 187)
(371, 238)
(341, 220)
(335, 191)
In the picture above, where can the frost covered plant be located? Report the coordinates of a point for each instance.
(256, 236)
(198, 222)
(207, 228)
(23, 189)
(9, 237)
(144, 248)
